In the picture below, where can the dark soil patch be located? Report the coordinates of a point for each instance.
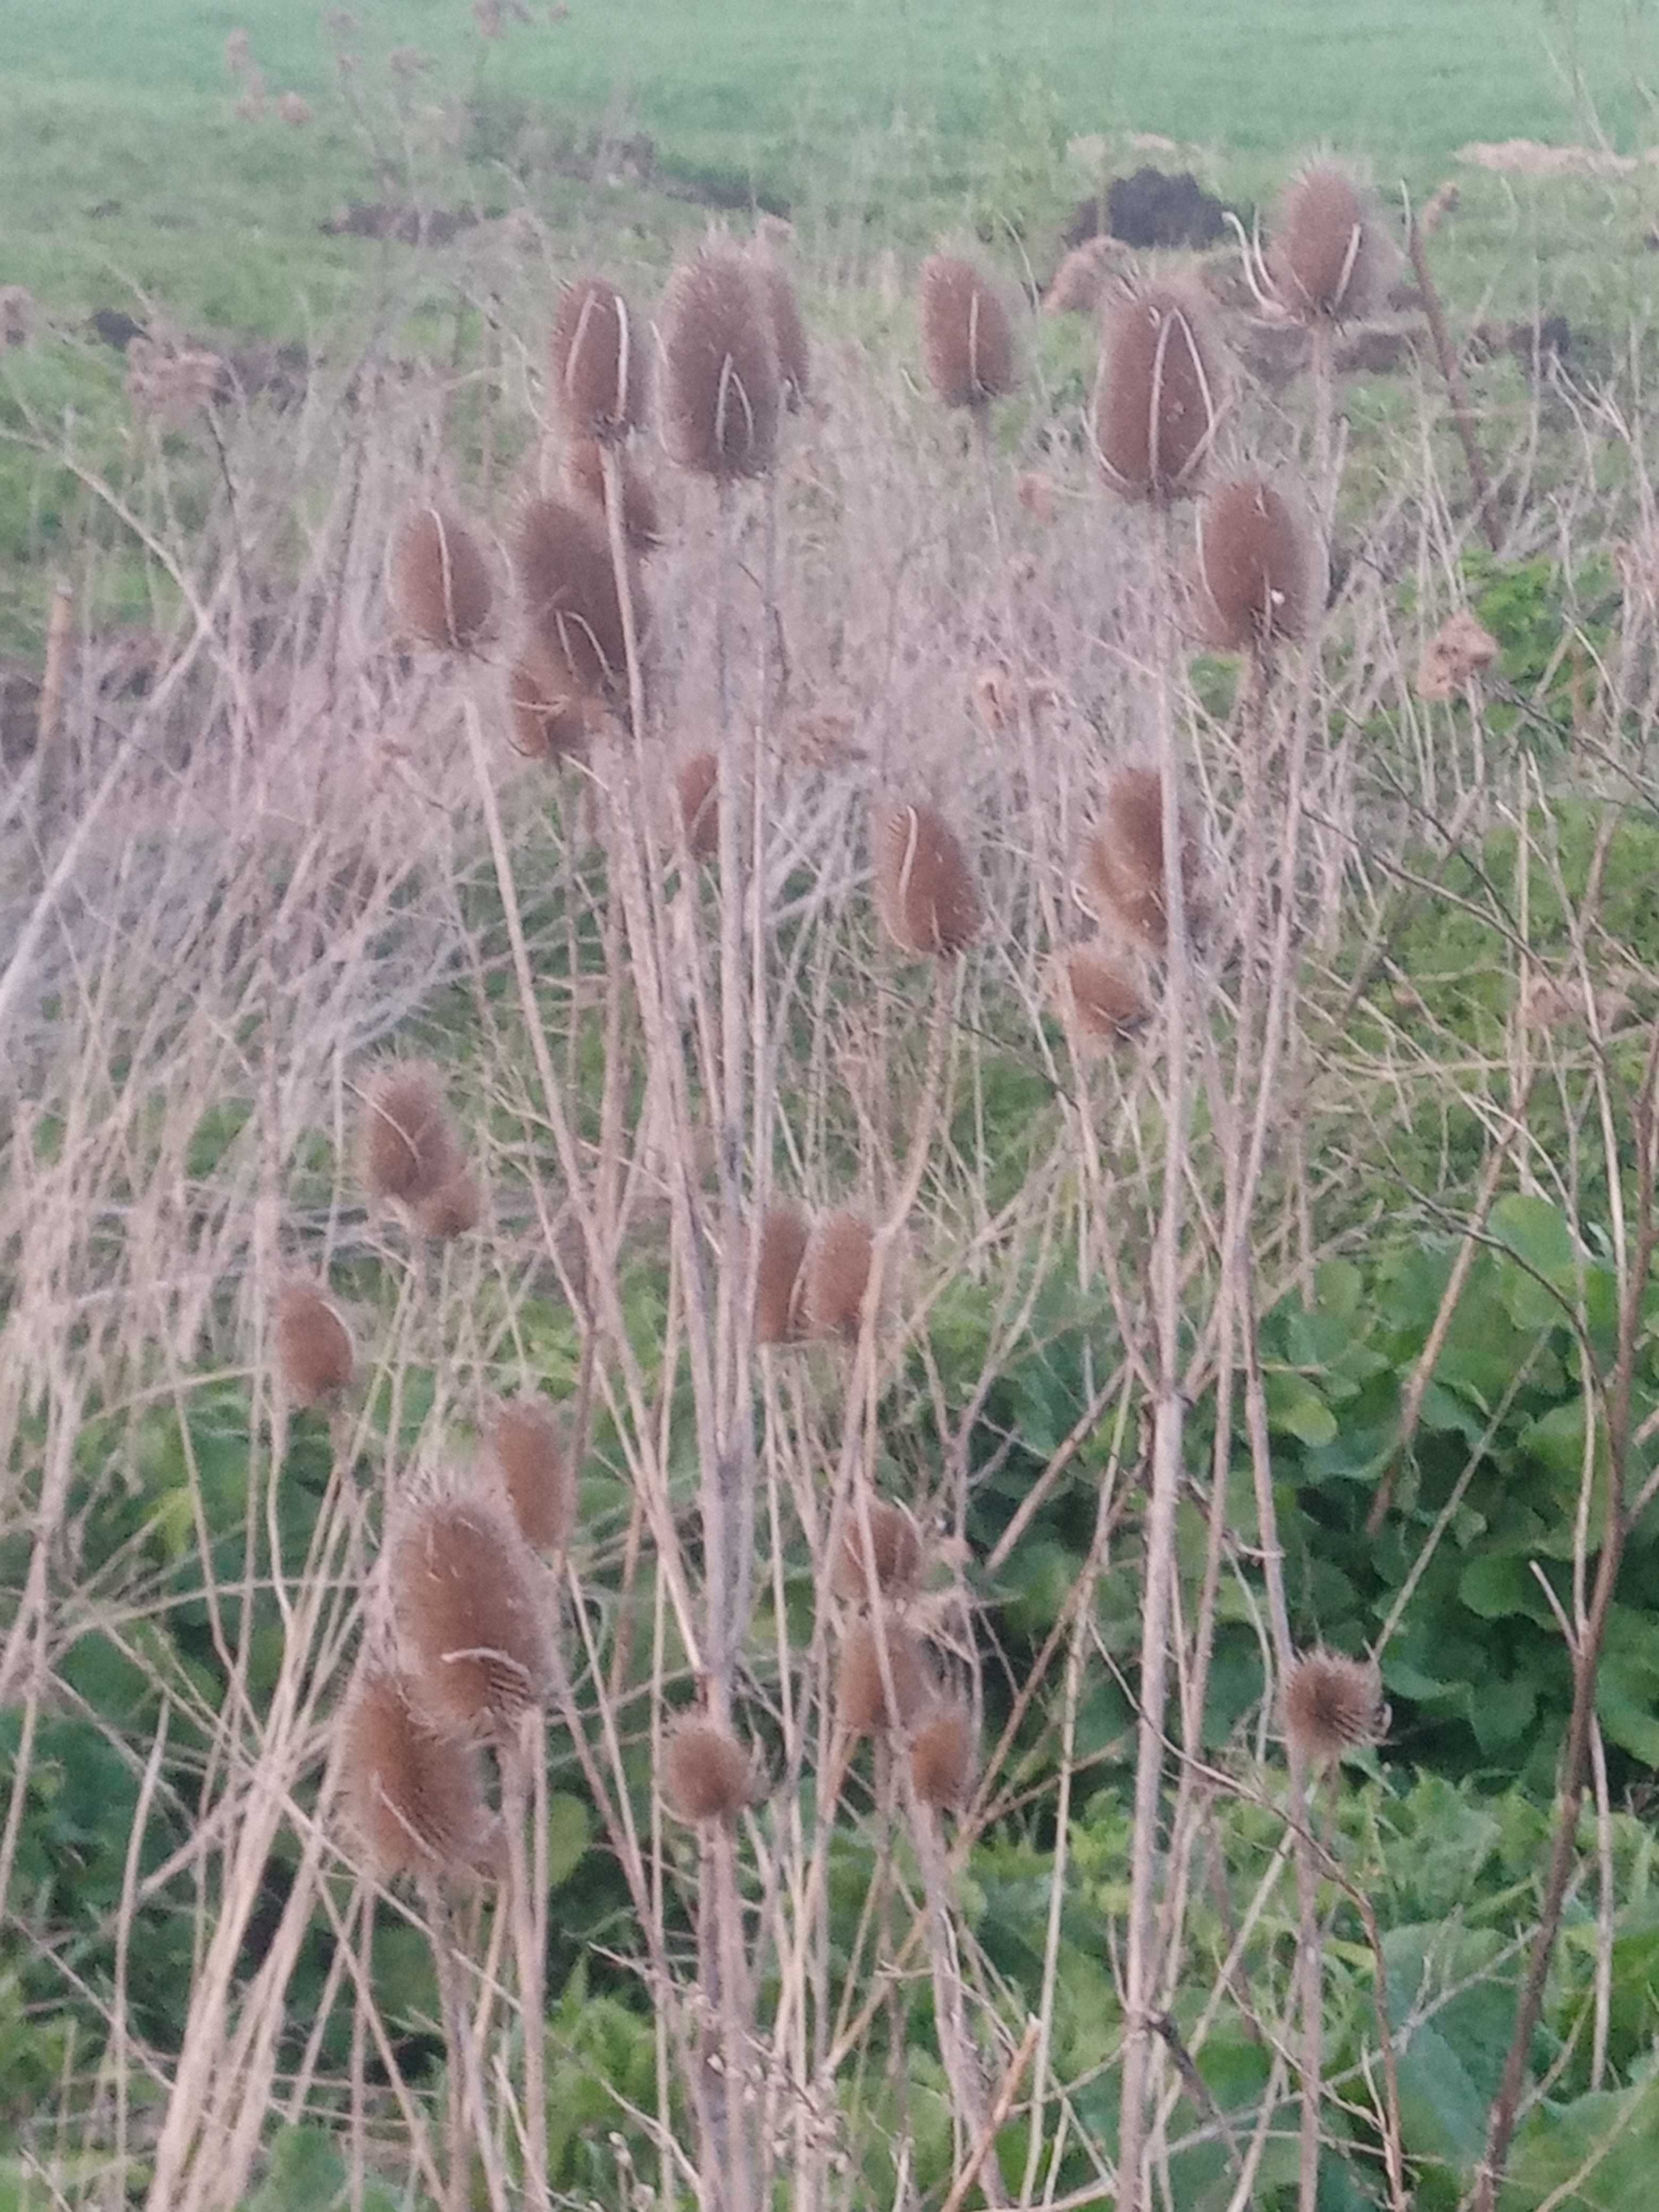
(399, 220)
(1153, 208)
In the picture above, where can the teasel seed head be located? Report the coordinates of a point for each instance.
(836, 1270)
(1458, 651)
(719, 383)
(597, 360)
(697, 793)
(473, 1608)
(1332, 1704)
(779, 1282)
(410, 1150)
(788, 331)
(453, 1210)
(561, 553)
(966, 334)
(1330, 258)
(584, 481)
(942, 1756)
(1101, 991)
(441, 582)
(531, 1443)
(1123, 877)
(706, 1773)
(862, 1705)
(414, 1793)
(313, 1344)
(1158, 398)
(894, 1553)
(926, 894)
(1261, 564)
(550, 719)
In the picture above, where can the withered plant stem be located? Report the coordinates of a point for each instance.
(521, 1753)
(1457, 391)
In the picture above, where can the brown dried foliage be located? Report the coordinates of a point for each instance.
(1328, 257)
(531, 1443)
(721, 391)
(926, 894)
(550, 720)
(597, 360)
(584, 479)
(454, 1209)
(705, 1771)
(966, 334)
(1332, 1704)
(1158, 397)
(1123, 860)
(441, 582)
(563, 556)
(1458, 652)
(942, 1757)
(475, 1611)
(1102, 992)
(837, 1274)
(788, 331)
(1258, 560)
(862, 1704)
(697, 792)
(778, 1279)
(410, 1150)
(415, 1794)
(313, 1344)
(894, 1552)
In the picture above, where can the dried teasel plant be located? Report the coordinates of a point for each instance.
(836, 1274)
(1459, 650)
(779, 1282)
(863, 1707)
(706, 1774)
(473, 1608)
(891, 1557)
(562, 554)
(696, 796)
(1332, 1704)
(441, 580)
(409, 1144)
(967, 346)
(1101, 992)
(597, 360)
(1329, 258)
(942, 1756)
(313, 1344)
(454, 1209)
(415, 1796)
(583, 472)
(531, 1443)
(1261, 565)
(1121, 874)
(925, 891)
(789, 331)
(1159, 395)
(720, 385)
(548, 718)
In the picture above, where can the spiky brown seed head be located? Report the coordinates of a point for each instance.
(1261, 564)
(893, 1554)
(473, 1606)
(1458, 651)
(1330, 258)
(409, 1148)
(1159, 395)
(967, 333)
(596, 359)
(697, 795)
(1082, 278)
(550, 719)
(788, 331)
(837, 1274)
(584, 480)
(862, 1705)
(561, 553)
(1332, 1704)
(1101, 992)
(719, 383)
(705, 1771)
(454, 1209)
(441, 582)
(313, 1344)
(926, 894)
(1123, 860)
(942, 1757)
(778, 1285)
(532, 1442)
(414, 1793)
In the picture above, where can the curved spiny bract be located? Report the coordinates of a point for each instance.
(966, 334)
(597, 358)
(1158, 398)
(719, 383)
(925, 891)
(1330, 258)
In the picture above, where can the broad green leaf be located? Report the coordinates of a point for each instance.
(306, 2174)
(1537, 1232)
(567, 1837)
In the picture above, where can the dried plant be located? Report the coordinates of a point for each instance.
(888, 1558)
(1084, 277)
(550, 719)
(1332, 1704)
(531, 1443)
(696, 791)
(1159, 395)
(1328, 257)
(1457, 653)
(313, 1344)
(1122, 861)
(1261, 564)
(706, 1773)
(455, 1208)
(779, 1282)
(561, 556)
(597, 362)
(925, 891)
(473, 1609)
(873, 1654)
(789, 331)
(836, 1274)
(584, 473)
(1100, 991)
(966, 334)
(942, 1753)
(440, 582)
(410, 1148)
(414, 1792)
(720, 386)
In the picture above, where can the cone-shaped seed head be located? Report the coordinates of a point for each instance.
(837, 1272)
(1123, 860)
(415, 1794)
(967, 333)
(720, 387)
(697, 790)
(454, 1209)
(1332, 1704)
(926, 894)
(584, 480)
(1260, 562)
(530, 1441)
(789, 331)
(313, 1344)
(562, 557)
(474, 1609)
(441, 582)
(705, 1772)
(942, 1757)
(894, 1551)
(409, 1146)
(1101, 992)
(862, 1704)
(550, 720)
(1328, 257)
(597, 360)
(1158, 397)
(778, 1284)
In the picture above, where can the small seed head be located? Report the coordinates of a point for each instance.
(1159, 395)
(531, 1443)
(441, 582)
(454, 1209)
(705, 1771)
(313, 1344)
(474, 1609)
(584, 481)
(597, 360)
(778, 1278)
(415, 1794)
(837, 1274)
(410, 1150)
(1100, 990)
(1330, 258)
(942, 1757)
(966, 334)
(1123, 860)
(1332, 1704)
(925, 891)
(562, 554)
(863, 1707)
(720, 386)
(894, 1552)
(1261, 564)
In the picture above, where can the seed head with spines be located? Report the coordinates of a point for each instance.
(706, 1774)
(720, 385)
(597, 360)
(1261, 564)
(414, 1792)
(441, 583)
(1332, 1704)
(966, 334)
(410, 1148)
(313, 1344)
(925, 890)
(473, 1608)
(778, 1281)
(1159, 395)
